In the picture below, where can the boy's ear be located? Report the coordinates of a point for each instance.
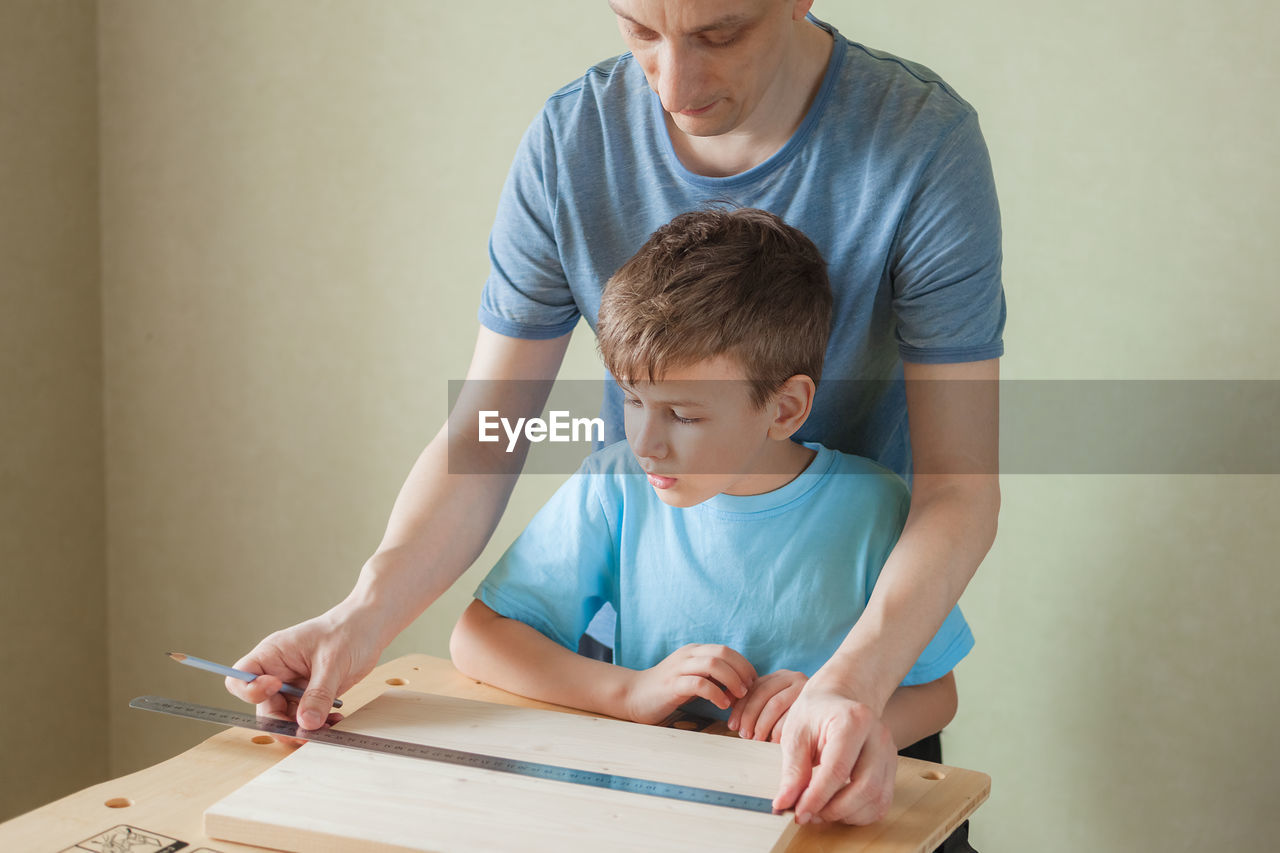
(792, 404)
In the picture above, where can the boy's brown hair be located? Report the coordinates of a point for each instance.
(738, 282)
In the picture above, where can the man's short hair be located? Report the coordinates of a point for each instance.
(735, 281)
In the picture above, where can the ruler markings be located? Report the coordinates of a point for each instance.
(501, 764)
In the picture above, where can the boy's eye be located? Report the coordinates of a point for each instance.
(681, 420)
(630, 401)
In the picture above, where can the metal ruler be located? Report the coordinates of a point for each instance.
(355, 740)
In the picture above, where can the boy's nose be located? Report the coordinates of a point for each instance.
(648, 441)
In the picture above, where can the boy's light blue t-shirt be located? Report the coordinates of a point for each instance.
(888, 174)
(779, 577)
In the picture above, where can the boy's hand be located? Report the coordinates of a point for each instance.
(716, 673)
(759, 714)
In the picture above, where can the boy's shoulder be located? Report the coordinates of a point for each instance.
(615, 459)
(862, 488)
(848, 463)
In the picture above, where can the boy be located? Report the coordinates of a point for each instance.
(737, 559)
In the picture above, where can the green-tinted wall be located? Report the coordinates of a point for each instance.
(295, 199)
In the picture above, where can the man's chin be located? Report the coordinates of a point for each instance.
(711, 124)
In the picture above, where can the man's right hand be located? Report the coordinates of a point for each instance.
(439, 525)
(324, 656)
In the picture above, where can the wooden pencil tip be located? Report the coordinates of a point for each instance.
(179, 656)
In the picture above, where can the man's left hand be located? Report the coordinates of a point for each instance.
(838, 759)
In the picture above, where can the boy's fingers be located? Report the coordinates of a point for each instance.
(732, 679)
(776, 737)
(697, 685)
(742, 666)
(748, 709)
(770, 714)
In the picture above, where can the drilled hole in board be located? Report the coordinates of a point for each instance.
(417, 669)
(396, 682)
(263, 739)
(118, 803)
(933, 775)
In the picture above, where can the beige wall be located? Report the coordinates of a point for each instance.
(296, 197)
(52, 623)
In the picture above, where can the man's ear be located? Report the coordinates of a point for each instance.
(791, 404)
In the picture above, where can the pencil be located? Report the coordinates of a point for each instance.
(210, 666)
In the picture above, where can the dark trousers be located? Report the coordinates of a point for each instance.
(928, 749)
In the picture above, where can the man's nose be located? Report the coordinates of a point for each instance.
(680, 77)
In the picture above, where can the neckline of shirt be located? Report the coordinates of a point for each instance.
(806, 481)
(782, 155)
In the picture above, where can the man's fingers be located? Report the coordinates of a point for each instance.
(797, 767)
(869, 794)
(257, 691)
(317, 699)
(843, 746)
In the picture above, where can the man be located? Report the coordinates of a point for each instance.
(884, 167)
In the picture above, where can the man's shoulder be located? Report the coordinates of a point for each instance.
(879, 87)
(888, 72)
(612, 85)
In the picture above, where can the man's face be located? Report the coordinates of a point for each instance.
(710, 61)
(696, 432)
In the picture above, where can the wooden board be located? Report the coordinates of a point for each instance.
(326, 798)
(169, 799)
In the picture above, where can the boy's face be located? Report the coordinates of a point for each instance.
(697, 434)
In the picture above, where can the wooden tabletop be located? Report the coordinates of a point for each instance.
(160, 809)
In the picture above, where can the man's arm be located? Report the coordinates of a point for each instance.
(838, 756)
(440, 523)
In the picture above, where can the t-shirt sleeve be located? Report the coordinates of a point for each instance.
(954, 640)
(527, 293)
(560, 570)
(948, 296)
(948, 647)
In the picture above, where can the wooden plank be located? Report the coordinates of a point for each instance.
(169, 799)
(330, 799)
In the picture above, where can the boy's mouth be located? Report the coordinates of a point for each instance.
(661, 482)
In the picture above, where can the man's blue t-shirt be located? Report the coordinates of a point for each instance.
(888, 174)
(779, 577)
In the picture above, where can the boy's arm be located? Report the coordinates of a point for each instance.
(518, 658)
(913, 713)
